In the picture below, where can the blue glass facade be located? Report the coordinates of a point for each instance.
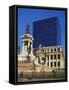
(46, 32)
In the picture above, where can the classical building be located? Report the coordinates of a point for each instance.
(52, 57)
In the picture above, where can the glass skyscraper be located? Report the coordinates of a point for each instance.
(46, 32)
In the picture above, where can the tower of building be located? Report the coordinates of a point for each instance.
(27, 46)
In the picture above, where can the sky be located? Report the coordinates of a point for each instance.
(28, 16)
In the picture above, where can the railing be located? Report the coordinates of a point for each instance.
(41, 75)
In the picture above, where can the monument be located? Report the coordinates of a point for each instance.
(26, 54)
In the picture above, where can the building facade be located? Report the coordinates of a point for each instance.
(51, 56)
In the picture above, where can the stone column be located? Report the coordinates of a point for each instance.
(31, 47)
(22, 47)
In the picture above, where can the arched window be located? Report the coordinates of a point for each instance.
(51, 57)
(55, 49)
(43, 60)
(58, 64)
(51, 50)
(54, 56)
(48, 57)
(58, 56)
(51, 64)
(58, 49)
(54, 64)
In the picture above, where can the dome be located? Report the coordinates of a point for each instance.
(25, 36)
